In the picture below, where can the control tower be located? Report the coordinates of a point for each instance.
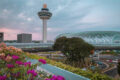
(44, 14)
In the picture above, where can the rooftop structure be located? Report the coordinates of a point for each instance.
(1, 36)
(24, 38)
(96, 37)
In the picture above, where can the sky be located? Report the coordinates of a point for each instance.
(20, 16)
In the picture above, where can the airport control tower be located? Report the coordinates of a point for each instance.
(44, 14)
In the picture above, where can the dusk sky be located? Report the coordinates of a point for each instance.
(20, 16)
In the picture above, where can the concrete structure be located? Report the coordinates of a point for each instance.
(1, 36)
(44, 14)
(24, 38)
(101, 40)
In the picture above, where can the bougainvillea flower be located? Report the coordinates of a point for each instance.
(47, 79)
(2, 55)
(10, 65)
(32, 72)
(2, 44)
(15, 57)
(27, 64)
(42, 61)
(16, 74)
(19, 62)
(8, 58)
(3, 77)
(60, 77)
(54, 77)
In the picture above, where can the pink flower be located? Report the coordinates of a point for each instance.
(10, 65)
(32, 72)
(42, 61)
(47, 79)
(60, 77)
(3, 77)
(27, 64)
(15, 57)
(16, 74)
(54, 77)
(19, 62)
(2, 44)
(8, 58)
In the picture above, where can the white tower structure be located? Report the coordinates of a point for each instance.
(44, 14)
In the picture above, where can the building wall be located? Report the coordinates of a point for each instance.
(24, 38)
(1, 37)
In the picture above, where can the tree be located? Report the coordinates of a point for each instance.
(59, 43)
(118, 68)
(75, 49)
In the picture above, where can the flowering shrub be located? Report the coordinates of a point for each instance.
(42, 61)
(13, 65)
(88, 74)
(54, 77)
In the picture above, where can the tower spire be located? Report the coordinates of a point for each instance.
(44, 5)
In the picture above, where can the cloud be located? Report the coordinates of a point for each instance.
(21, 15)
(29, 19)
(5, 13)
(68, 16)
(10, 34)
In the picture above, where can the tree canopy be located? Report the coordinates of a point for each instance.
(75, 49)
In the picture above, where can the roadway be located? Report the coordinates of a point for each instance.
(112, 72)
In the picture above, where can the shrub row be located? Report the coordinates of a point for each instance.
(88, 74)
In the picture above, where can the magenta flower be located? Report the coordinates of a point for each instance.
(3, 77)
(60, 77)
(19, 62)
(32, 72)
(42, 61)
(16, 74)
(27, 64)
(54, 77)
(10, 65)
(15, 57)
(47, 79)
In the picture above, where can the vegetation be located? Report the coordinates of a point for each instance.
(50, 52)
(75, 49)
(118, 67)
(14, 66)
(110, 53)
(89, 74)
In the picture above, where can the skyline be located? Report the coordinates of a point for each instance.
(90, 15)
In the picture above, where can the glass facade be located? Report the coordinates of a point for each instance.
(31, 45)
(97, 38)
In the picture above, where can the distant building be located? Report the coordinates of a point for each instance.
(1, 36)
(24, 38)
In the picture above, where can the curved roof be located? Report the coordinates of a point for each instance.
(96, 37)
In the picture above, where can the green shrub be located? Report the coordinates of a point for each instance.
(88, 74)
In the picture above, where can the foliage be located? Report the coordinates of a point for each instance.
(87, 73)
(75, 49)
(52, 52)
(14, 66)
(118, 68)
(110, 53)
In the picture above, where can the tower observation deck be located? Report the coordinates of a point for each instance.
(45, 15)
